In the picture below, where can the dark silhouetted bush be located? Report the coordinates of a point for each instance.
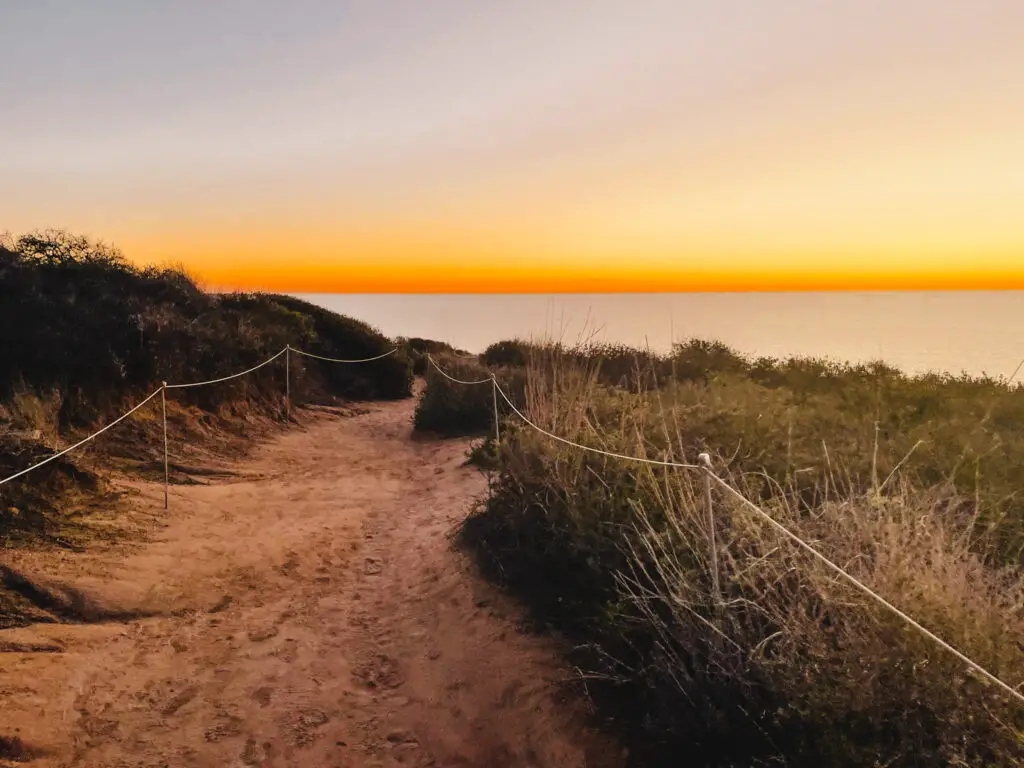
(84, 334)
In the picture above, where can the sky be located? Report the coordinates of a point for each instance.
(525, 146)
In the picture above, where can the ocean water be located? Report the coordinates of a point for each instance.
(954, 331)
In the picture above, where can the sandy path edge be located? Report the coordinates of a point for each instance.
(310, 612)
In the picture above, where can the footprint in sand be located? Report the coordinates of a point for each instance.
(263, 695)
(179, 700)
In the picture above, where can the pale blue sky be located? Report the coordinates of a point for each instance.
(668, 128)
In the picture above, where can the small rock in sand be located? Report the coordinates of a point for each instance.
(259, 635)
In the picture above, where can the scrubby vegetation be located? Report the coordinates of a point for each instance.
(624, 367)
(85, 334)
(908, 482)
(417, 350)
(510, 353)
(451, 409)
(786, 418)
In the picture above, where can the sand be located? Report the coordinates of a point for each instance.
(301, 607)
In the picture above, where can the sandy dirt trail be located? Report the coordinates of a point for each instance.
(306, 611)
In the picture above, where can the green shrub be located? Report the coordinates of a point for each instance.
(452, 409)
(623, 366)
(505, 353)
(340, 337)
(418, 349)
(699, 360)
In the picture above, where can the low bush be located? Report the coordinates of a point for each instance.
(341, 337)
(418, 349)
(454, 409)
(506, 353)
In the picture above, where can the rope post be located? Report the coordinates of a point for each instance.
(288, 379)
(167, 471)
(705, 459)
(494, 394)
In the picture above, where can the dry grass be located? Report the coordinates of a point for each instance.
(39, 415)
(794, 666)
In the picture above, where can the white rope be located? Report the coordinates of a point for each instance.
(336, 360)
(452, 378)
(182, 386)
(227, 378)
(587, 447)
(55, 456)
(866, 589)
(520, 414)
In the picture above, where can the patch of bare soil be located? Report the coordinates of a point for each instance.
(304, 608)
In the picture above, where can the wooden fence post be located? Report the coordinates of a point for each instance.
(167, 472)
(705, 459)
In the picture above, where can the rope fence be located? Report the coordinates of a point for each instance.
(162, 391)
(709, 476)
(704, 467)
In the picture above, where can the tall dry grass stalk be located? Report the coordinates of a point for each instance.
(794, 666)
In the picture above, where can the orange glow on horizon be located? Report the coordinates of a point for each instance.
(450, 279)
(445, 262)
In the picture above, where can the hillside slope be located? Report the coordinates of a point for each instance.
(85, 335)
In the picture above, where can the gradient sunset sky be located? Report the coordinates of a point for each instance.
(525, 146)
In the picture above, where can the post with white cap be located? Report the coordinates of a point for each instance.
(494, 394)
(167, 472)
(705, 459)
(288, 379)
